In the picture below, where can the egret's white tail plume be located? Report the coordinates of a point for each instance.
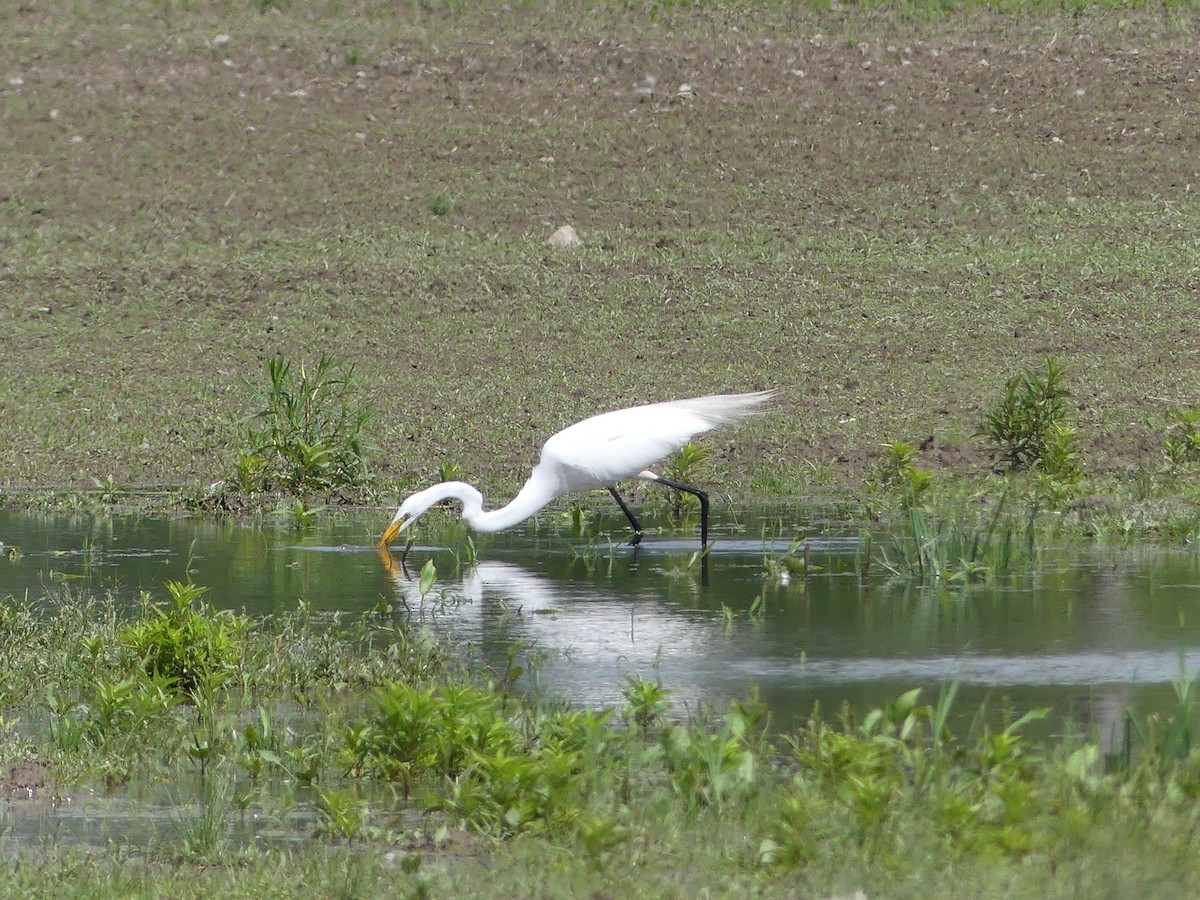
(725, 409)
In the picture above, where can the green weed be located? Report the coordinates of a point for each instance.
(262, 744)
(204, 823)
(300, 516)
(115, 717)
(959, 551)
(897, 471)
(343, 813)
(1028, 424)
(716, 766)
(308, 433)
(441, 205)
(888, 794)
(684, 466)
(108, 491)
(418, 731)
(1181, 446)
(187, 642)
(795, 562)
(648, 701)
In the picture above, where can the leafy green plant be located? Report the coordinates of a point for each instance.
(864, 779)
(111, 712)
(343, 813)
(506, 792)
(250, 472)
(480, 765)
(898, 471)
(600, 835)
(307, 433)
(187, 642)
(1061, 455)
(300, 516)
(108, 491)
(1181, 445)
(417, 731)
(448, 471)
(713, 766)
(441, 205)
(683, 466)
(261, 743)
(647, 701)
(1028, 424)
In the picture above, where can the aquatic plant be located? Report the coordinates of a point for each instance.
(114, 717)
(779, 568)
(343, 813)
(414, 731)
(186, 641)
(959, 551)
(880, 794)
(308, 431)
(898, 471)
(108, 491)
(716, 766)
(860, 780)
(499, 769)
(647, 701)
(262, 744)
(299, 516)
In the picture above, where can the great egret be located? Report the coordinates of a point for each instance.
(595, 453)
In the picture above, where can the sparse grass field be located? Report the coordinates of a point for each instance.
(885, 213)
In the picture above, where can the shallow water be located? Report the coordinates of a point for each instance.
(1091, 633)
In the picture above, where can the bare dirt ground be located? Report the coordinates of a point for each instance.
(882, 215)
(24, 781)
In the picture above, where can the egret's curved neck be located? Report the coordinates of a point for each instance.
(533, 496)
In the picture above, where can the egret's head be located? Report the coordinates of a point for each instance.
(404, 517)
(397, 525)
(411, 508)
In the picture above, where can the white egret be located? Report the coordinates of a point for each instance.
(595, 453)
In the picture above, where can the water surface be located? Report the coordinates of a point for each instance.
(1089, 634)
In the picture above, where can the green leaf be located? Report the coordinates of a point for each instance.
(428, 577)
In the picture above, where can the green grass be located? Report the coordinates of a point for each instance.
(396, 771)
(778, 231)
(884, 243)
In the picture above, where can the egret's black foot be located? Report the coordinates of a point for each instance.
(636, 539)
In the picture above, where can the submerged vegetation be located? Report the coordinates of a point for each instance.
(959, 550)
(421, 775)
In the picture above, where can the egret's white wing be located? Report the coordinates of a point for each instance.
(616, 445)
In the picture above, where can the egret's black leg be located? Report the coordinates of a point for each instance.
(637, 528)
(699, 495)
